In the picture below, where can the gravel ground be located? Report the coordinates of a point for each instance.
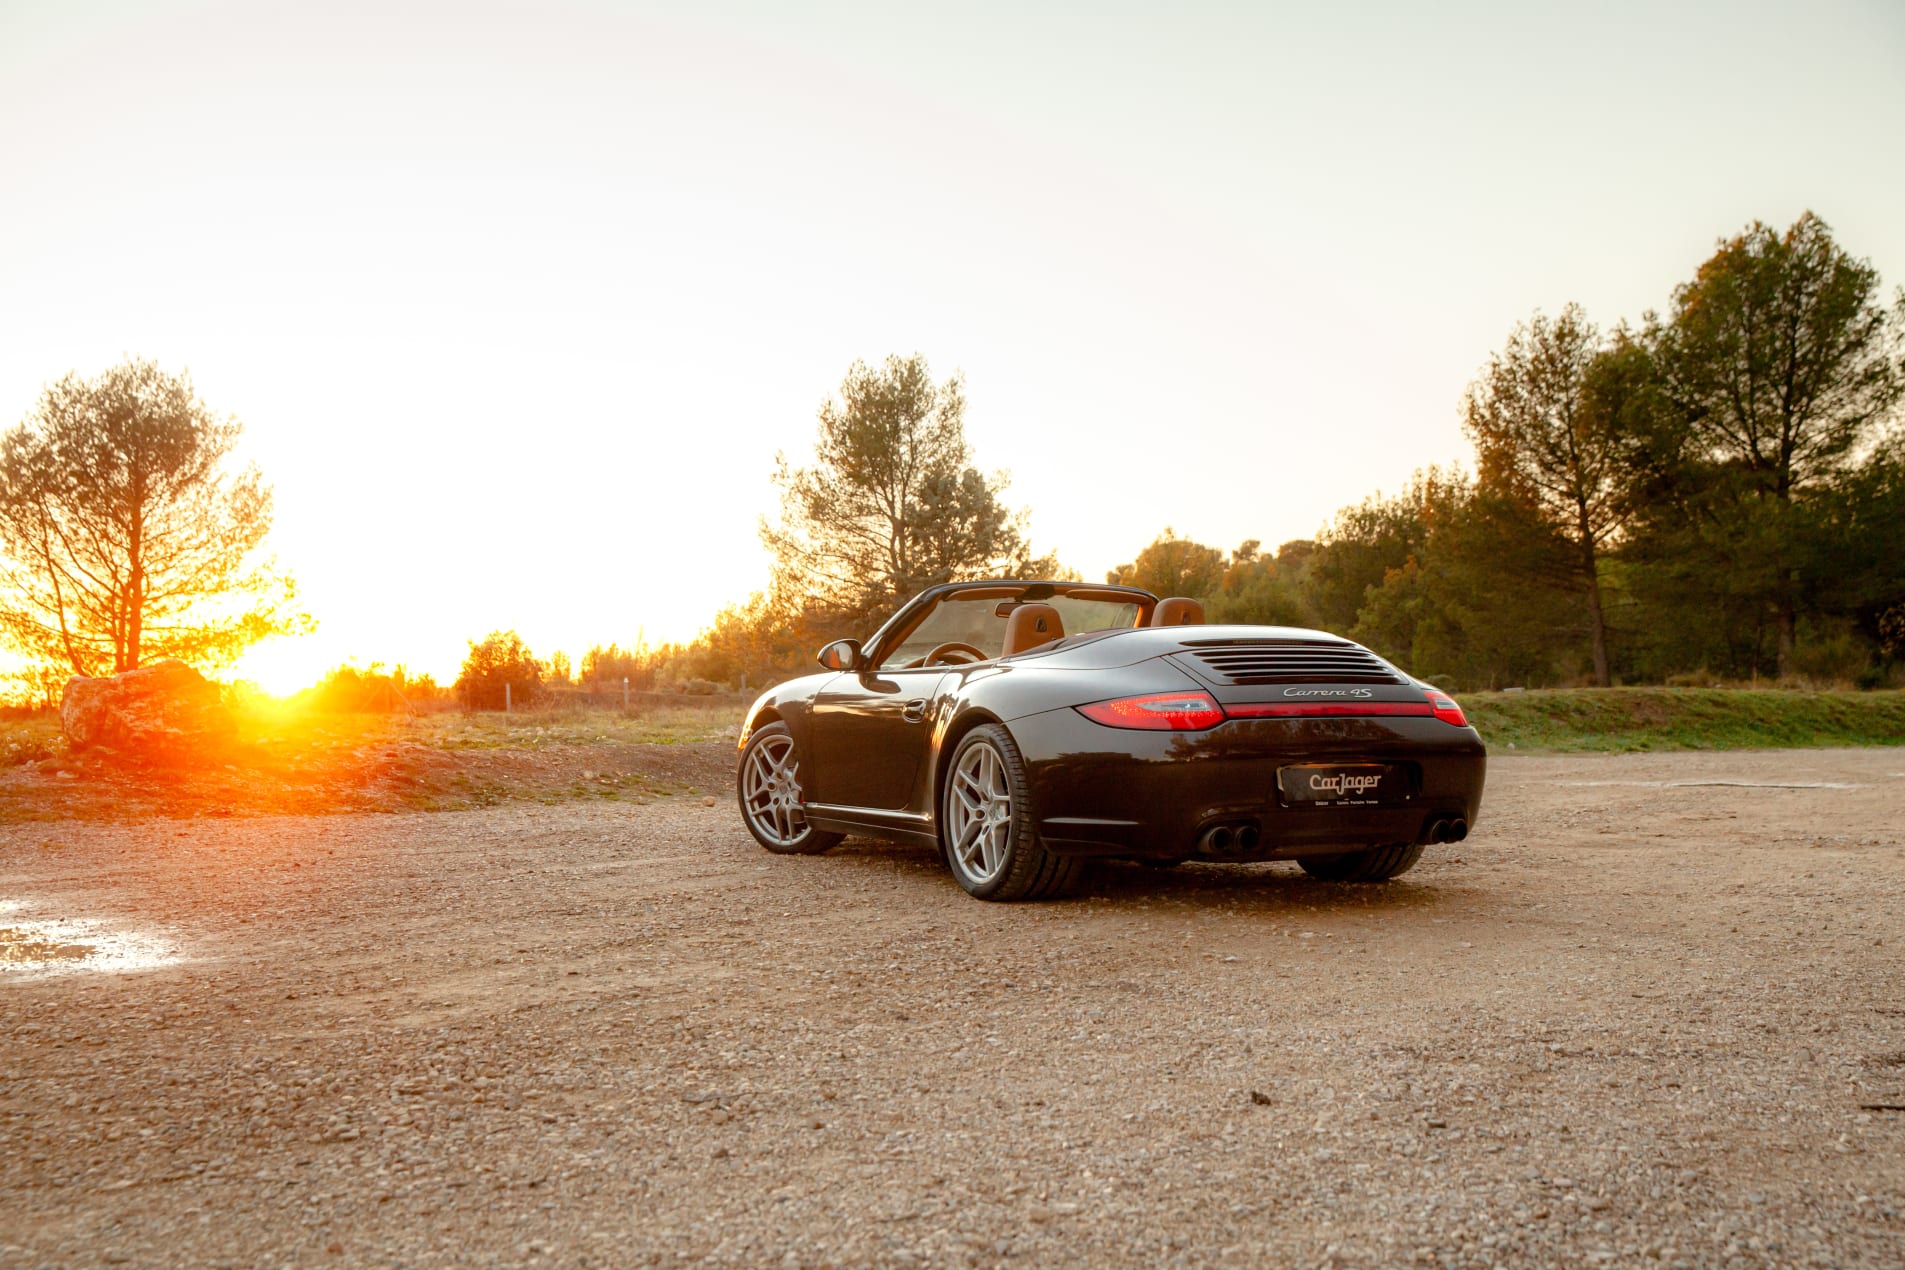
(1631, 1021)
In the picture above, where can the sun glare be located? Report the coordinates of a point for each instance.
(281, 667)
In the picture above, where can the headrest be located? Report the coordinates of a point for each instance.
(1031, 625)
(1178, 611)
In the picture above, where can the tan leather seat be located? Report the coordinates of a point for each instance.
(1177, 611)
(1031, 625)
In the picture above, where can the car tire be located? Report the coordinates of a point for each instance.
(1378, 864)
(767, 786)
(986, 826)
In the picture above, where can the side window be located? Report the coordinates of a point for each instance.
(971, 623)
(978, 621)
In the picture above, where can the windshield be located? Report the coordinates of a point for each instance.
(977, 618)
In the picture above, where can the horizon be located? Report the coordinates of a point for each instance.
(517, 311)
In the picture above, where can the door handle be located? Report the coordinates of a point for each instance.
(915, 710)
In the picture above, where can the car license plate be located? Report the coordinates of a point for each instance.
(1343, 784)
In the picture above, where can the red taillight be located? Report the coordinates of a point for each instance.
(1446, 709)
(1195, 711)
(1158, 712)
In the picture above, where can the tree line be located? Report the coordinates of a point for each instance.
(1713, 491)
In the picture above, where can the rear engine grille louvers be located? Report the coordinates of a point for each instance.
(1291, 662)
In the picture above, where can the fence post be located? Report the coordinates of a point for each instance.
(624, 692)
(506, 698)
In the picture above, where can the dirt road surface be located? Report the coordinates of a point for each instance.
(1633, 1020)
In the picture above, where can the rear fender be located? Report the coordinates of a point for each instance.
(1009, 691)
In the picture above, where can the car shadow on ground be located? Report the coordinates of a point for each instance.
(1274, 887)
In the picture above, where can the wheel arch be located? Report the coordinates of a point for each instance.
(760, 718)
(968, 719)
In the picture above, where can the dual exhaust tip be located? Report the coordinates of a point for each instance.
(1242, 838)
(1229, 839)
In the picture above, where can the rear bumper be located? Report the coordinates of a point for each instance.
(1120, 792)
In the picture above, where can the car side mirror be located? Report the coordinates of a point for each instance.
(842, 654)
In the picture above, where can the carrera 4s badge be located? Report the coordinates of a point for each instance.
(1327, 692)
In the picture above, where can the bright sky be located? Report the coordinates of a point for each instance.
(517, 302)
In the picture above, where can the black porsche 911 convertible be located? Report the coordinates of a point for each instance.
(1024, 727)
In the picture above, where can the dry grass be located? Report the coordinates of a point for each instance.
(690, 719)
(31, 739)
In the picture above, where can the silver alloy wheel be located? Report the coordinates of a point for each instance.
(979, 813)
(771, 792)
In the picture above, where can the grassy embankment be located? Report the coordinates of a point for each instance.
(1555, 719)
(314, 763)
(1627, 719)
